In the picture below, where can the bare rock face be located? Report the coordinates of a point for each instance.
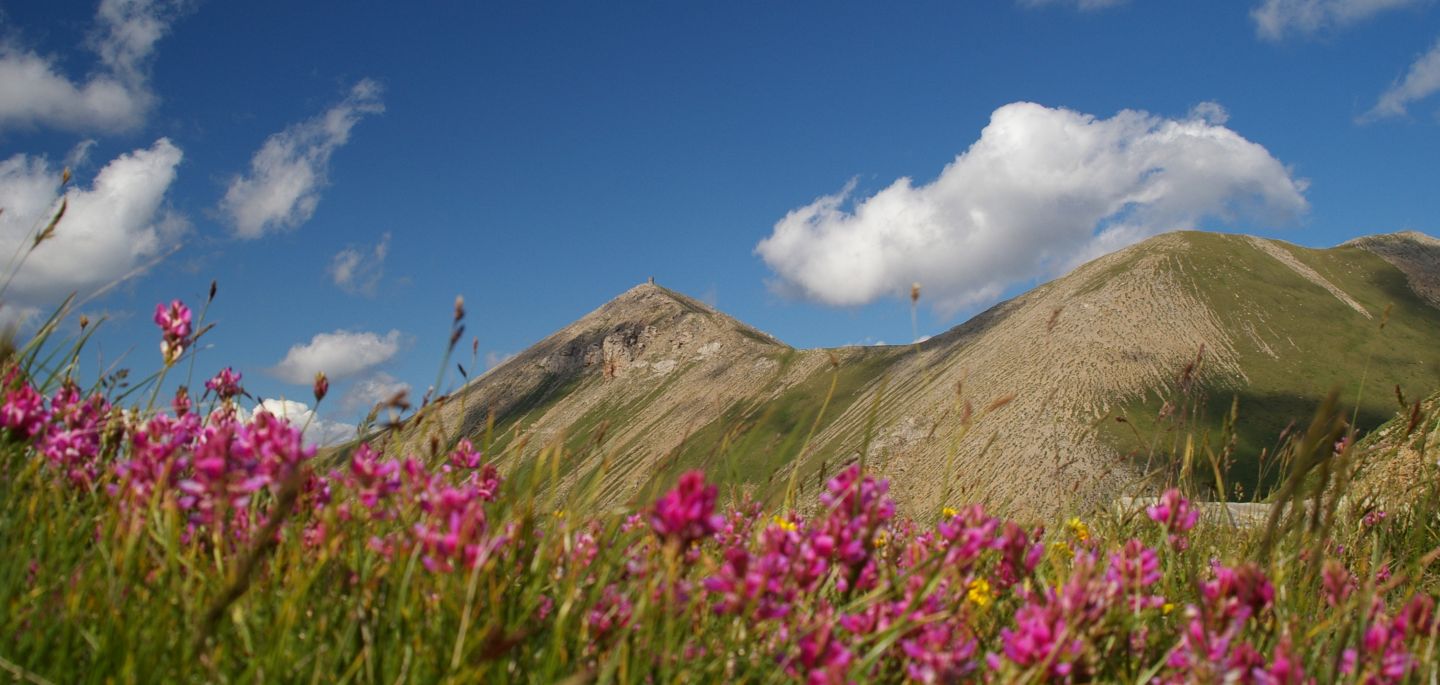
(1000, 410)
(1412, 252)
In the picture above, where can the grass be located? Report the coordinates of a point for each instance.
(753, 443)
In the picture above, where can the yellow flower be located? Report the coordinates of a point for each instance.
(1167, 608)
(881, 539)
(948, 513)
(1061, 548)
(1078, 529)
(782, 523)
(979, 592)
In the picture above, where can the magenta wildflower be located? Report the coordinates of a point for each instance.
(471, 462)
(181, 403)
(939, 652)
(1019, 553)
(966, 535)
(822, 658)
(174, 323)
(1337, 582)
(686, 513)
(71, 442)
(225, 385)
(159, 451)
(611, 612)
(374, 480)
(1177, 515)
(1133, 569)
(1238, 593)
(23, 412)
(1044, 635)
(858, 505)
(1284, 667)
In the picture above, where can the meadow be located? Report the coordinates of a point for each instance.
(185, 539)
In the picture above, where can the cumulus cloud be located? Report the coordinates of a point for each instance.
(1041, 190)
(289, 171)
(1276, 18)
(115, 97)
(1421, 81)
(340, 354)
(1083, 5)
(367, 392)
(357, 272)
(318, 431)
(111, 230)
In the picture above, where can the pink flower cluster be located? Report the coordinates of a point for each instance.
(686, 514)
(1177, 515)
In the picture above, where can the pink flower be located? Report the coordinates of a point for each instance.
(1238, 593)
(472, 462)
(225, 384)
(1177, 515)
(174, 323)
(373, 479)
(181, 403)
(1337, 582)
(612, 611)
(1043, 635)
(858, 505)
(1382, 657)
(1133, 569)
(1284, 668)
(1019, 553)
(24, 412)
(686, 513)
(823, 659)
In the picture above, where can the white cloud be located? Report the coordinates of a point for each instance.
(318, 431)
(359, 273)
(114, 229)
(340, 354)
(368, 391)
(116, 97)
(1276, 18)
(1083, 5)
(1421, 81)
(290, 169)
(1041, 191)
(13, 317)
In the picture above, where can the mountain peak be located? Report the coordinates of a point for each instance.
(655, 305)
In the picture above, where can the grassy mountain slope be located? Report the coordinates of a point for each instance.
(1017, 407)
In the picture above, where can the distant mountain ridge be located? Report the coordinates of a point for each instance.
(1016, 408)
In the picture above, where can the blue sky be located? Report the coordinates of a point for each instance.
(344, 170)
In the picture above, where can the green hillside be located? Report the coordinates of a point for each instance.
(1296, 342)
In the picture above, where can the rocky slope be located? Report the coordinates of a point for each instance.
(1016, 407)
(1397, 463)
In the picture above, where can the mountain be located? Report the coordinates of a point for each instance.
(1081, 390)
